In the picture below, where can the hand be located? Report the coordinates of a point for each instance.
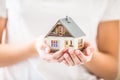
(76, 57)
(45, 53)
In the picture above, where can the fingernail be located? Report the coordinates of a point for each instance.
(65, 50)
(65, 55)
(71, 50)
(77, 52)
(88, 52)
(47, 50)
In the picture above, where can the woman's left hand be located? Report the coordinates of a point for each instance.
(75, 57)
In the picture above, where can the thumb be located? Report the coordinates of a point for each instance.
(42, 45)
(46, 47)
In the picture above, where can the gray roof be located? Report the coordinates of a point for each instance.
(72, 27)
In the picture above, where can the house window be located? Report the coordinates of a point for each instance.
(66, 43)
(54, 43)
(61, 30)
(71, 43)
(80, 42)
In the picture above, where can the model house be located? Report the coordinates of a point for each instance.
(65, 33)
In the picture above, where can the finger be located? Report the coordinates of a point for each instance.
(86, 44)
(46, 57)
(81, 56)
(88, 51)
(91, 49)
(74, 57)
(68, 59)
(65, 62)
(45, 45)
(41, 45)
(59, 53)
(47, 49)
(49, 58)
(61, 59)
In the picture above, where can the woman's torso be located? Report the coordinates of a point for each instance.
(28, 19)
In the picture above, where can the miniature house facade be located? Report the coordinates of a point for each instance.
(65, 34)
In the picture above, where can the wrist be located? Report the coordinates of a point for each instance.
(32, 48)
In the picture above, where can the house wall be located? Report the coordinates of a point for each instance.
(61, 41)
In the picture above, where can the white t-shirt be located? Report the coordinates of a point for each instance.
(2, 8)
(28, 19)
(112, 11)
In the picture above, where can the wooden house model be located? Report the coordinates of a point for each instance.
(65, 33)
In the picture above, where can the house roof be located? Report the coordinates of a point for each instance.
(71, 26)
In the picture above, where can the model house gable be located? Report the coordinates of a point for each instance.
(59, 30)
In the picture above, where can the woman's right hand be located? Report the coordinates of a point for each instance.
(45, 53)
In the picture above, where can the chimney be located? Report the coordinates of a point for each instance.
(68, 19)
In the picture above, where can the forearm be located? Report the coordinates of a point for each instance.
(11, 54)
(103, 65)
(2, 26)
